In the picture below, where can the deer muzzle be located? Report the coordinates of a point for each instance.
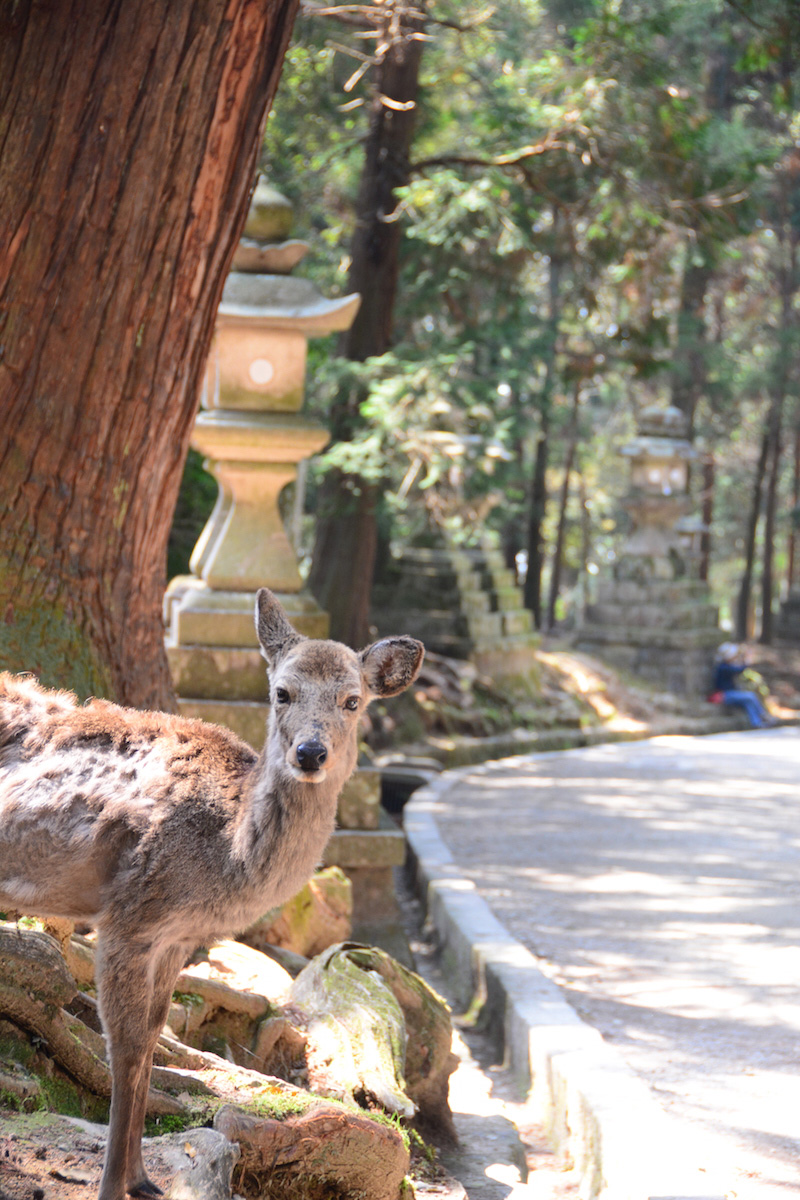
(311, 757)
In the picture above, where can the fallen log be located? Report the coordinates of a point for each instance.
(334, 1150)
(375, 1029)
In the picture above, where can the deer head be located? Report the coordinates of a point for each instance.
(319, 689)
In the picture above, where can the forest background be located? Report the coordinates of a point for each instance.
(558, 215)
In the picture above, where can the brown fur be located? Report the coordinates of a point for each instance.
(164, 832)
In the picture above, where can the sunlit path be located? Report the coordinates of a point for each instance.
(659, 882)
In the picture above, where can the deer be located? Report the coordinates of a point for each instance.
(165, 832)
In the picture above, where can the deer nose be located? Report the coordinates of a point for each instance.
(311, 755)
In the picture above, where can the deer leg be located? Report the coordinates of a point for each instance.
(124, 995)
(164, 975)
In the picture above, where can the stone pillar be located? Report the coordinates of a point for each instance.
(253, 434)
(655, 617)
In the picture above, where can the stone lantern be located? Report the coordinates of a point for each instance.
(254, 436)
(655, 617)
(657, 499)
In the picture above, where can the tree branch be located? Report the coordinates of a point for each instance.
(551, 142)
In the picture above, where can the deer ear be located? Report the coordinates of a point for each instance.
(391, 664)
(275, 634)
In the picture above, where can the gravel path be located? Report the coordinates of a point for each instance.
(659, 883)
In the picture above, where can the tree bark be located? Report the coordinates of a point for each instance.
(538, 508)
(746, 585)
(688, 367)
(561, 529)
(129, 136)
(707, 514)
(791, 549)
(345, 545)
(538, 498)
(775, 438)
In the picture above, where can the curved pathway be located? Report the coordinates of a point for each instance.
(658, 884)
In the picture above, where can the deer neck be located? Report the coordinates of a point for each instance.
(286, 822)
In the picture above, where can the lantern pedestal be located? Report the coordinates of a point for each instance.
(655, 618)
(254, 437)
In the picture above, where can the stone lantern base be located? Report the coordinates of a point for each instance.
(665, 631)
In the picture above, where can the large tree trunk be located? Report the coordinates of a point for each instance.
(538, 492)
(707, 514)
(129, 137)
(346, 535)
(787, 276)
(561, 528)
(743, 621)
(791, 548)
(688, 367)
(775, 433)
(536, 514)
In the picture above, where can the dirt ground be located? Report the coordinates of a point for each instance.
(52, 1159)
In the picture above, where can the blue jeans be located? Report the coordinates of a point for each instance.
(749, 701)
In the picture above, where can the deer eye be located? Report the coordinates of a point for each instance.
(351, 703)
(282, 696)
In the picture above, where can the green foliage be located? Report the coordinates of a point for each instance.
(166, 1123)
(196, 499)
(576, 162)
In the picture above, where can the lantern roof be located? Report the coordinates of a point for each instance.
(655, 447)
(272, 258)
(284, 302)
(663, 420)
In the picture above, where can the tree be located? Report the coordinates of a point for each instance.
(346, 540)
(129, 136)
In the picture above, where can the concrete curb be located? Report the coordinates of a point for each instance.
(597, 1111)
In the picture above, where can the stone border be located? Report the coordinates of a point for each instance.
(597, 1111)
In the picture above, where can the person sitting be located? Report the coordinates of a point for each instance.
(730, 664)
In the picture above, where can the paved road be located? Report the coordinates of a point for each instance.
(659, 883)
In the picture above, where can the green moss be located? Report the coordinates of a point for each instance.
(169, 1123)
(277, 1104)
(421, 1147)
(61, 1096)
(188, 999)
(12, 1101)
(16, 1049)
(44, 638)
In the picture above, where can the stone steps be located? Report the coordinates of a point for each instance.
(647, 616)
(462, 603)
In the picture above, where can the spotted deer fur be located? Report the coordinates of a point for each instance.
(165, 832)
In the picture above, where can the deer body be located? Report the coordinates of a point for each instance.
(165, 832)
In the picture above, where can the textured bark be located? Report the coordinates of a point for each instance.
(775, 434)
(34, 984)
(791, 548)
(128, 142)
(346, 540)
(688, 366)
(743, 599)
(538, 491)
(375, 249)
(323, 1152)
(707, 513)
(561, 528)
(536, 515)
(788, 282)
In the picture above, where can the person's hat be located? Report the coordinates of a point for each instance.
(727, 651)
